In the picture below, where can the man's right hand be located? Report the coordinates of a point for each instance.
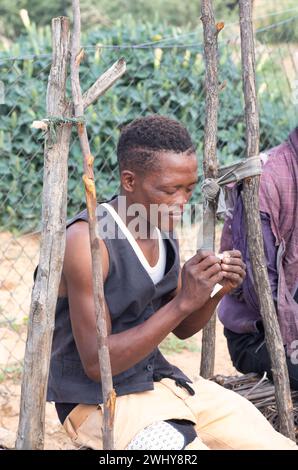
(199, 276)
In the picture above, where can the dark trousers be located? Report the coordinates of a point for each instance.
(249, 354)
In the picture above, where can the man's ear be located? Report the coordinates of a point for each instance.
(128, 180)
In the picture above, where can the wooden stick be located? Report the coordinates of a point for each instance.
(255, 238)
(210, 164)
(109, 396)
(44, 295)
(104, 82)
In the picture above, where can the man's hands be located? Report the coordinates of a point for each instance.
(198, 277)
(203, 271)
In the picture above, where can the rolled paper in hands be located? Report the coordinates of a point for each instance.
(216, 289)
(217, 286)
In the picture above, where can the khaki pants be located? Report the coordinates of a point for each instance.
(223, 419)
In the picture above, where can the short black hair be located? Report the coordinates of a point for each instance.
(143, 139)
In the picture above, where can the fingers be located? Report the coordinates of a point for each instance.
(205, 258)
(234, 277)
(234, 268)
(232, 259)
(214, 269)
(200, 256)
(216, 278)
(231, 254)
(229, 262)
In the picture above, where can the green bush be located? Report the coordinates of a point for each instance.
(103, 12)
(285, 23)
(171, 84)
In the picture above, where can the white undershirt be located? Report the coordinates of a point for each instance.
(155, 272)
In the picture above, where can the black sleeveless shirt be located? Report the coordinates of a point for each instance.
(132, 298)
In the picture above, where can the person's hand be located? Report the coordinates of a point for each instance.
(233, 269)
(199, 276)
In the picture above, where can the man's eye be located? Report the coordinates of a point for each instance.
(170, 192)
(190, 189)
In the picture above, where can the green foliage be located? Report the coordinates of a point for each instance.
(106, 12)
(173, 345)
(95, 13)
(40, 11)
(169, 82)
(13, 372)
(286, 23)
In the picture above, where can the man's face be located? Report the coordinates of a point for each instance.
(170, 187)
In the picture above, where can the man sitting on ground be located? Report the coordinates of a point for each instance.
(147, 296)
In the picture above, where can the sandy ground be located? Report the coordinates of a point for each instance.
(18, 259)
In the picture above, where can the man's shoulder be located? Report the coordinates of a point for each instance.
(78, 233)
(80, 216)
(78, 249)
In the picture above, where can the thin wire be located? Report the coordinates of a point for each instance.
(26, 57)
(179, 46)
(228, 25)
(156, 44)
(279, 23)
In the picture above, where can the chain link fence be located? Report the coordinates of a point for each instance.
(164, 76)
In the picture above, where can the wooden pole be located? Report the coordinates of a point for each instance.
(250, 196)
(44, 295)
(109, 396)
(210, 163)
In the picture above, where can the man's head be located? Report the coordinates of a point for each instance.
(157, 162)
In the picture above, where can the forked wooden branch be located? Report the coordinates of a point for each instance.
(45, 291)
(104, 82)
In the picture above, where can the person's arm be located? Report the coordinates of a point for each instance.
(233, 270)
(127, 348)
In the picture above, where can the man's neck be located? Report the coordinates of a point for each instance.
(123, 209)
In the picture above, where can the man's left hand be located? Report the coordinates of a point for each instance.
(233, 269)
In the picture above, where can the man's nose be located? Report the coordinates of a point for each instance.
(180, 203)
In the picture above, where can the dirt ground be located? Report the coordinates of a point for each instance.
(18, 259)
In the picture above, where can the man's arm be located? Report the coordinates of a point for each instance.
(129, 347)
(233, 270)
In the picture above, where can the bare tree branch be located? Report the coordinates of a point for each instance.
(104, 82)
(109, 395)
(45, 291)
(255, 238)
